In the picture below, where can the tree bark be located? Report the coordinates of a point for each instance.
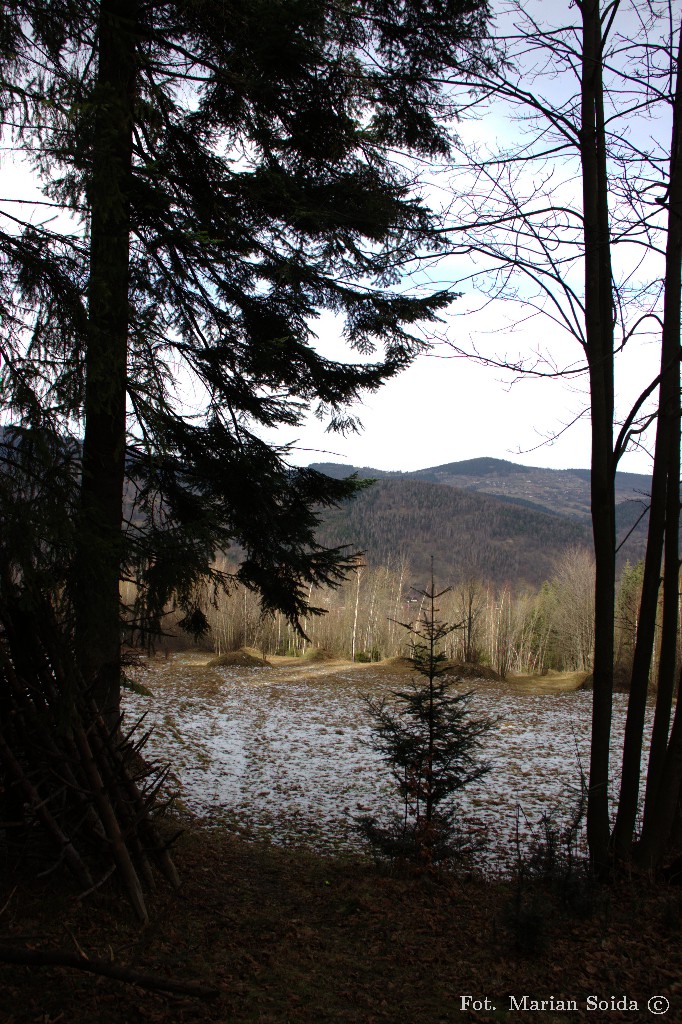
(663, 523)
(669, 632)
(101, 515)
(599, 350)
(665, 765)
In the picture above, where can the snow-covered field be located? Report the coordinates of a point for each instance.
(284, 751)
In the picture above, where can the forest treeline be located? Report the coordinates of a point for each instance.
(501, 541)
(514, 630)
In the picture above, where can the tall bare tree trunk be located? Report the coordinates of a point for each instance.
(100, 540)
(664, 517)
(358, 574)
(665, 765)
(599, 346)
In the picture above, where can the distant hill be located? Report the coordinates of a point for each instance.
(339, 471)
(497, 541)
(562, 491)
(506, 523)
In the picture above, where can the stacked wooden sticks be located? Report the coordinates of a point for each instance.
(61, 767)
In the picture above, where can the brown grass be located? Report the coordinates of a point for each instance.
(318, 654)
(396, 664)
(552, 682)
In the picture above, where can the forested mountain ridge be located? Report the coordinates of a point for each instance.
(562, 491)
(501, 539)
(465, 533)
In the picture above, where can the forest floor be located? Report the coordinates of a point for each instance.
(291, 937)
(292, 934)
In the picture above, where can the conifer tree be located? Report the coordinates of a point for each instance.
(430, 743)
(233, 166)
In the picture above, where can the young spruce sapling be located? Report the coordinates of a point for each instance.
(431, 745)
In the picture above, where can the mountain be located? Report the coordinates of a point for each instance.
(562, 491)
(464, 532)
(503, 522)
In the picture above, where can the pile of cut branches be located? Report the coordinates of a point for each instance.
(64, 774)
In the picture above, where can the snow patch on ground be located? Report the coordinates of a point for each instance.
(285, 752)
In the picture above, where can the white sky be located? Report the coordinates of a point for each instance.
(443, 408)
(446, 409)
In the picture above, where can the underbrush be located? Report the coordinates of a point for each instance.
(551, 869)
(291, 937)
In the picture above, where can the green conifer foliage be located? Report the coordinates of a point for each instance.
(431, 745)
(234, 169)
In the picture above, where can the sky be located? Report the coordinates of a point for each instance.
(446, 408)
(441, 409)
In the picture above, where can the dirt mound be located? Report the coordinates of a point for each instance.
(621, 681)
(316, 654)
(460, 670)
(467, 670)
(241, 658)
(549, 682)
(398, 664)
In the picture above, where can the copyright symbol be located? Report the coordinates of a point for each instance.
(658, 1004)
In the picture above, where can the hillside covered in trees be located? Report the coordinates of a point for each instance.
(488, 518)
(561, 491)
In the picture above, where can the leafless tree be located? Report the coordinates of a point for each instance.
(574, 608)
(577, 219)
